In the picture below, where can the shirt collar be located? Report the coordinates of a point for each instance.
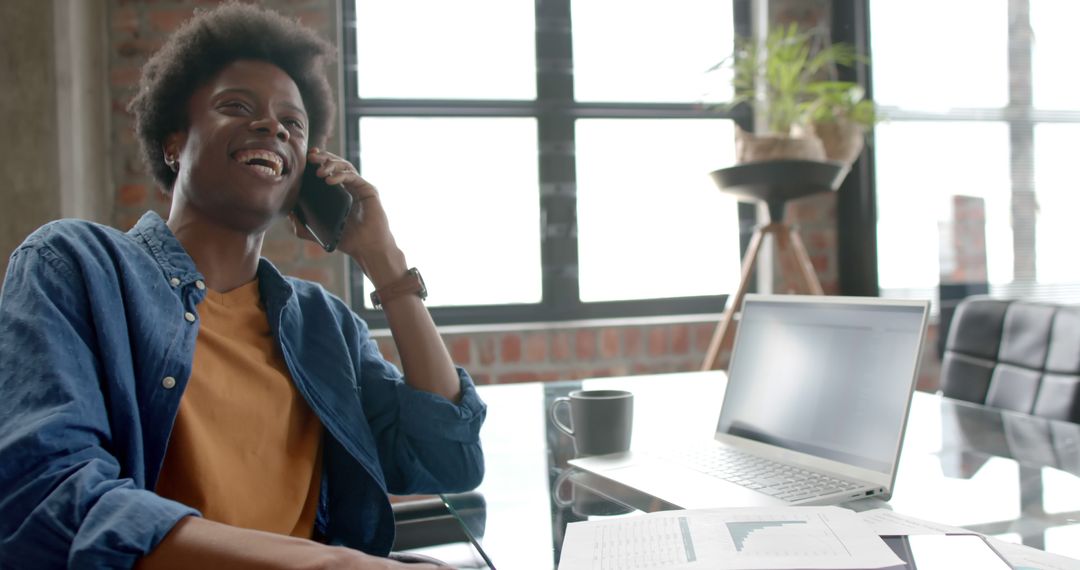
(161, 243)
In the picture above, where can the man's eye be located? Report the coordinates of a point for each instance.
(294, 123)
(234, 105)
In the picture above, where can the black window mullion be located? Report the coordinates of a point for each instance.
(556, 112)
(557, 167)
(856, 208)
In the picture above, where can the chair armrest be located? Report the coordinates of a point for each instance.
(427, 522)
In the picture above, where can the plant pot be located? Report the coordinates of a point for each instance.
(750, 147)
(843, 140)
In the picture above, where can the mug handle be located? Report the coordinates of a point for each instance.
(557, 486)
(554, 418)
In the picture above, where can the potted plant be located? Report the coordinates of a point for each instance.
(841, 115)
(781, 80)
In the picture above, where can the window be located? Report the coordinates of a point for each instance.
(973, 163)
(545, 160)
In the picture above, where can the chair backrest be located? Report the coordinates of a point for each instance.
(1016, 355)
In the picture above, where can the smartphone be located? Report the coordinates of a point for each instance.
(946, 552)
(322, 208)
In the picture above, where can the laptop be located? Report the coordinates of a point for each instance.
(817, 400)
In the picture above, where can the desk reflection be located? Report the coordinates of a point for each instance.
(1001, 473)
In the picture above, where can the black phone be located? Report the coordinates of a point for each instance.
(322, 208)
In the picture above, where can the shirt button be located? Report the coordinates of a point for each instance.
(175, 282)
(190, 317)
(168, 382)
(200, 285)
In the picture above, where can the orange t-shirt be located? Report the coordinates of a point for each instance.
(245, 449)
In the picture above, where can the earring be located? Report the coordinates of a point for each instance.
(170, 159)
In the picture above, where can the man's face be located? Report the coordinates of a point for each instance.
(244, 151)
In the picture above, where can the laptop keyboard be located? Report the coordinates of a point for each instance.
(785, 482)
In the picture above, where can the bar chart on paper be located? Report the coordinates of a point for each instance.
(749, 539)
(801, 537)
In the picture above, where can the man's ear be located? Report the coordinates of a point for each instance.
(171, 149)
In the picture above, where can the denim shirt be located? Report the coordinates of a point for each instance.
(97, 334)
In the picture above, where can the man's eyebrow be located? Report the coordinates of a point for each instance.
(251, 94)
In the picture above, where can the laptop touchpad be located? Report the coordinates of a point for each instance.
(687, 488)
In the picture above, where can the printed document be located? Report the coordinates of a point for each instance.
(737, 538)
(889, 523)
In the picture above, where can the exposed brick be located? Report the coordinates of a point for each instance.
(680, 339)
(481, 378)
(124, 20)
(281, 250)
(388, 349)
(123, 76)
(536, 347)
(560, 346)
(642, 368)
(609, 342)
(317, 274)
(316, 19)
(703, 336)
(138, 47)
(657, 341)
(125, 221)
(585, 344)
(632, 341)
(514, 377)
(313, 250)
(461, 350)
(510, 348)
(134, 165)
(131, 194)
(820, 262)
(168, 20)
(486, 349)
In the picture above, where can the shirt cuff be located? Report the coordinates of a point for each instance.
(425, 415)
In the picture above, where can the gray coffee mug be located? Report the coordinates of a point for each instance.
(601, 421)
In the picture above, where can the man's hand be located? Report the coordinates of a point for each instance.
(367, 237)
(198, 543)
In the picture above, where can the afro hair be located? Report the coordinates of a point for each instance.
(208, 42)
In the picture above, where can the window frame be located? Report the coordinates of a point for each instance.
(1020, 117)
(555, 111)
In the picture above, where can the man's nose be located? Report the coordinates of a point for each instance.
(270, 125)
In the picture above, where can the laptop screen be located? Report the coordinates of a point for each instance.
(828, 378)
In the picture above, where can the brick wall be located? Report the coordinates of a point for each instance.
(503, 355)
(493, 354)
(136, 29)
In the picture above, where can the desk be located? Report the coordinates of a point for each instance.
(1005, 474)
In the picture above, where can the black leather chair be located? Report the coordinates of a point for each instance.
(1016, 355)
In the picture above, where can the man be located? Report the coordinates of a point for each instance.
(167, 397)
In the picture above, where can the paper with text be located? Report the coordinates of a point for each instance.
(888, 523)
(744, 538)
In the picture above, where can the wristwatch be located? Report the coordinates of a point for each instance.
(410, 284)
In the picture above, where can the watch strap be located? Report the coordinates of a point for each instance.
(409, 284)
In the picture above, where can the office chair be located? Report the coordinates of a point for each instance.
(428, 521)
(1015, 355)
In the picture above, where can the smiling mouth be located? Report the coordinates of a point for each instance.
(265, 162)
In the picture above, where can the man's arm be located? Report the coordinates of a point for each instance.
(424, 359)
(199, 543)
(368, 240)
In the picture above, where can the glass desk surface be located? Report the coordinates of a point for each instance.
(1000, 473)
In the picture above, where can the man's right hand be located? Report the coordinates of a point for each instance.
(199, 543)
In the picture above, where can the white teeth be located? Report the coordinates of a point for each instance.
(246, 156)
(263, 169)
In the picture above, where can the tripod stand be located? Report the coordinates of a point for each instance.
(773, 182)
